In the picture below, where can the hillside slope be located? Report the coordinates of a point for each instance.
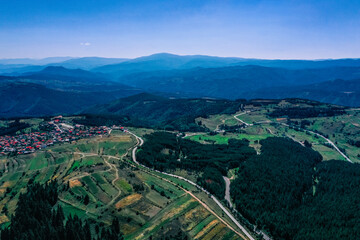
(87, 63)
(340, 92)
(166, 61)
(61, 78)
(154, 111)
(233, 82)
(28, 99)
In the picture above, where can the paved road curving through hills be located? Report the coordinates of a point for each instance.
(140, 142)
(227, 190)
(284, 124)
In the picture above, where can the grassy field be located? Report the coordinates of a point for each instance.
(220, 138)
(256, 116)
(150, 204)
(342, 130)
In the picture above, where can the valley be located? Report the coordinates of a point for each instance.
(184, 184)
(79, 85)
(179, 120)
(101, 170)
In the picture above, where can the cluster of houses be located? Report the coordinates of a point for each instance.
(59, 132)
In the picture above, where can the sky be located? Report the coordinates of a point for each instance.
(268, 29)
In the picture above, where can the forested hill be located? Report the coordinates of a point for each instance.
(166, 152)
(58, 77)
(342, 92)
(233, 82)
(28, 100)
(154, 111)
(286, 189)
(289, 192)
(166, 61)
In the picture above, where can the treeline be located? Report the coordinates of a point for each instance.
(232, 129)
(13, 127)
(37, 217)
(101, 120)
(353, 142)
(289, 192)
(307, 112)
(165, 151)
(183, 124)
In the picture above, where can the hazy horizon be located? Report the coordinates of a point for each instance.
(182, 55)
(259, 29)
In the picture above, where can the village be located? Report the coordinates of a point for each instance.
(57, 131)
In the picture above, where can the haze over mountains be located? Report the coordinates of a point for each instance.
(19, 99)
(233, 82)
(83, 82)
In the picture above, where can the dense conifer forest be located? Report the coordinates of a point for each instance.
(152, 111)
(286, 190)
(300, 112)
(39, 217)
(101, 120)
(165, 151)
(289, 192)
(13, 127)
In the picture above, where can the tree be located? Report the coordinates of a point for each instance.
(36, 218)
(86, 200)
(307, 144)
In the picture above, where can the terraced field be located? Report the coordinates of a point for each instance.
(98, 182)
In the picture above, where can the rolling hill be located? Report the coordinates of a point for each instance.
(233, 82)
(33, 61)
(192, 77)
(18, 69)
(61, 78)
(166, 61)
(338, 91)
(87, 63)
(153, 111)
(19, 66)
(59, 72)
(29, 99)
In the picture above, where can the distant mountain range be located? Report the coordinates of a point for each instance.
(19, 66)
(69, 85)
(31, 61)
(233, 82)
(68, 79)
(161, 61)
(165, 61)
(88, 63)
(338, 91)
(57, 90)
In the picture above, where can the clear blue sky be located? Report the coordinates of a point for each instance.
(286, 29)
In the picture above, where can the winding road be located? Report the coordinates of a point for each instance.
(140, 142)
(332, 144)
(236, 117)
(111, 167)
(284, 124)
(227, 190)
